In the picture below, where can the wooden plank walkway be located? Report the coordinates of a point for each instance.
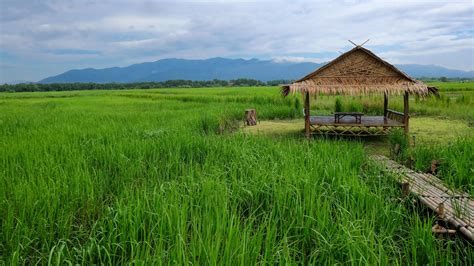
(454, 207)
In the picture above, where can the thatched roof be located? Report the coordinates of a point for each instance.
(357, 72)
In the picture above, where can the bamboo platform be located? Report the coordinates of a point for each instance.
(370, 121)
(455, 208)
(347, 126)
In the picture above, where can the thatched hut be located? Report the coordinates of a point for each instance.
(357, 72)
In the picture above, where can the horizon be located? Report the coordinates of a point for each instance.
(228, 58)
(275, 60)
(43, 39)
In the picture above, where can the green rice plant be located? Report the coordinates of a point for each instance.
(463, 99)
(399, 144)
(141, 177)
(208, 124)
(456, 166)
(448, 101)
(228, 124)
(297, 105)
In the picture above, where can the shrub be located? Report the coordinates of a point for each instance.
(355, 107)
(338, 105)
(297, 104)
(366, 106)
(212, 125)
(227, 124)
(208, 124)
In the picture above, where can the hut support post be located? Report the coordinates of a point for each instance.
(306, 116)
(385, 104)
(405, 111)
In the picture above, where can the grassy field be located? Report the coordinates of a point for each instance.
(167, 177)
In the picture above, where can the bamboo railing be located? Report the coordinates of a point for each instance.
(395, 115)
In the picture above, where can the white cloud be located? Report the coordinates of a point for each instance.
(124, 32)
(300, 59)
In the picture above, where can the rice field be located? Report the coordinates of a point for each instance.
(166, 176)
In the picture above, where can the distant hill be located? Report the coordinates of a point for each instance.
(222, 68)
(432, 71)
(13, 82)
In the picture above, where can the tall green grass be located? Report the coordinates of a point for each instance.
(456, 165)
(119, 177)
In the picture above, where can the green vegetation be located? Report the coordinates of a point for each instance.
(456, 165)
(338, 106)
(31, 87)
(163, 176)
(450, 105)
(453, 86)
(399, 144)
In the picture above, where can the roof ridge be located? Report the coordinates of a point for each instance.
(342, 56)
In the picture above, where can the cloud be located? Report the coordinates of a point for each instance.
(53, 35)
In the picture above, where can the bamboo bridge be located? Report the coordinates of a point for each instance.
(454, 207)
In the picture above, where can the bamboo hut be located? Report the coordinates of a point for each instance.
(357, 72)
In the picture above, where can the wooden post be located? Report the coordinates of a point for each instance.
(441, 210)
(250, 117)
(434, 167)
(405, 111)
(385, 104)
(306, 116)
(405, 189)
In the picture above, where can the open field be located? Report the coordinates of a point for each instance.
(167, 176)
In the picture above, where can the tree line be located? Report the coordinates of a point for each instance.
(445, 79)
(31, 87)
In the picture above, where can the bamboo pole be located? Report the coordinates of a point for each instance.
(463, 226)
(405, 111)
(424, 187)
(438, 229)
(307, 116)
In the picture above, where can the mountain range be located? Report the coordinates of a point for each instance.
(223, 69)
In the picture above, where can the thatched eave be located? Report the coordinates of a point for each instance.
(357, 72)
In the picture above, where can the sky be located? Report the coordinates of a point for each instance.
(40, 38)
